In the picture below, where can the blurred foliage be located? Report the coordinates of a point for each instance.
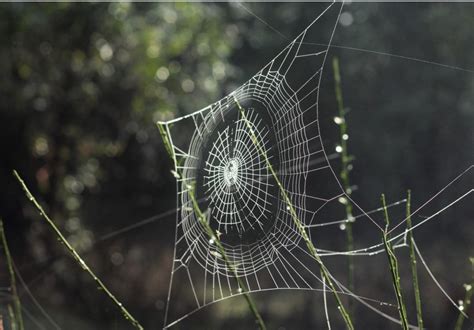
(83, 85)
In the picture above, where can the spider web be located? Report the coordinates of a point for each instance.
(241, 198)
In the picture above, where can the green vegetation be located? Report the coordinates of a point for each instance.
(83, 84)
(299, 224)
(204, 221)
(394, 271)
(414, 271)
(340, 120)
(75, 255)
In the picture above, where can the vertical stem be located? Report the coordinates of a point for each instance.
(18, 319)
(11, 314)
(414, 272)
(467, 300)
(299, 225)
(345, 162)
(166, 140)
(393, 263)
(76, 256)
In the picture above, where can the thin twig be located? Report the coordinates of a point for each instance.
(76, 256)
(393, 263)
(18, 318)
(414, 271)
(296, 220)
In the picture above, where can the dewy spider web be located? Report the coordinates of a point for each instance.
(241, 199)
(234, 184)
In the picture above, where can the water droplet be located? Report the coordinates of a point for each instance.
(175, 174)
(345, 137)
(342, 226)
(338, 120)
(338, 149)
(342, 200)
(216, 254)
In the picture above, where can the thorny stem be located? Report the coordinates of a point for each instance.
(76, 256)
(393, 263)
(17, 318)
(210, 232)
(467, 300)
(414, 272)
(344, 174)
(297, 221)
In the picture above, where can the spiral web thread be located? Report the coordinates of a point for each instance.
(241, 200)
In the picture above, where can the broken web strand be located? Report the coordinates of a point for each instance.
(394, 271)
(16, 316)
(440, 287)
(414, 271)
(466, 303)
(326, 312)
(378, 248)
(126, 314)
(27, 290)
(297, 221)
(203, 220)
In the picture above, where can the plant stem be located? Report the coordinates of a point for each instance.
(215, 238)
(166, 140)
(414, 272)
(296, 220)
(393, 263)
(467, 299)
(76, 256)
(164, 132)
(344, 174)
(18, 318)
(11, 314)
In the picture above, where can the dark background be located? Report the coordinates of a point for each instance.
(83, 84)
